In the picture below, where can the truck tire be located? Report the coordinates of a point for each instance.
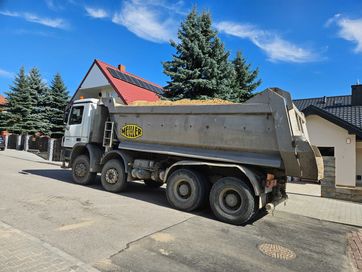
(153, 184)
(232, 201)
(186, 190)
(113, 176)
(80, 171)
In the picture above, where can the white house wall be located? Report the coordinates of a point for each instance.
(95, 83)
(95, 78)
(323, 133)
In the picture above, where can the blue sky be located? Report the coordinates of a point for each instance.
(310, 48)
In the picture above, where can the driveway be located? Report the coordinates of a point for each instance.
(138, 231)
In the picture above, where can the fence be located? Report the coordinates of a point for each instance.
(43, 146)
(12, 140)
(57, 147)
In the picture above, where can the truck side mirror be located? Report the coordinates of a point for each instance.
(65, 118)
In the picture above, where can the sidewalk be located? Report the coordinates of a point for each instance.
(27, 156)
(304, 199)
(22, 252)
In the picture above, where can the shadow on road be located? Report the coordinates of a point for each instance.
(135, 190)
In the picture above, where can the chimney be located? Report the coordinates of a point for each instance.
(122, 68)
(357, 95)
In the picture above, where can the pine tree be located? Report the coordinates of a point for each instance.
(245, 79)
(38, 118)
(200, 68)
(58, 100)
(20, 104)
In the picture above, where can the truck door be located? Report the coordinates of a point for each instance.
(74, 128)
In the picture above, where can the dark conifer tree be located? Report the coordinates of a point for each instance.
(245, 79)
(58, 100)
(200, 68)
(38, 118)
(20, 104)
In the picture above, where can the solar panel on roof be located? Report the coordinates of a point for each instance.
(134, 81)
(144, 84)
(122, 76)
(154, 88)
(113, 73)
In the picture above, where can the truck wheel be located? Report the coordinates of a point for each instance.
(186, 190)
(153, 184)
(113, 176)
(80, 171)
(232, 201)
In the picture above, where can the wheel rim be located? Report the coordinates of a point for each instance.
(80, 169)
(230, 200)
(183, 190)
(111, 176)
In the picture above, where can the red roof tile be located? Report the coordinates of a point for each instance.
(2, 100)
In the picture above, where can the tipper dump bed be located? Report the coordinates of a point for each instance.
(267, 130)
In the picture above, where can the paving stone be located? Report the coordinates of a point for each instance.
(22, 252)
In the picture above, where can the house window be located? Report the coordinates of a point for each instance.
(326, 151)
(76, 115)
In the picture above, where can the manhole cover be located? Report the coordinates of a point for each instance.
(277, 251)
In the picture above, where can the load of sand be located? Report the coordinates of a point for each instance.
(215, 101)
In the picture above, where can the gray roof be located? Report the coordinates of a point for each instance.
(337, 109)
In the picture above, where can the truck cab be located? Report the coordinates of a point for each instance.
(78, 122)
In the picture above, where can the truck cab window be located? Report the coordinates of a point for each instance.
(76, 115)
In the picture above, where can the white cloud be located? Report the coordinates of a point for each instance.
(33, 18)
(145, 21)
(172, 6)
(276, 48)
(10, 13)
(96, 12)
(349, 29)
(4, 73)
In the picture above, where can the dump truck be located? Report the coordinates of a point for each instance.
(235, 157)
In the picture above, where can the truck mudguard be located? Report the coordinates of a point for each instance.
(118, 154)
(95, 155)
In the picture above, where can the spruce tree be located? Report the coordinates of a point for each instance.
(245, 79)
(200, 68)
(38, 118)
(58, 100)
(20, 104)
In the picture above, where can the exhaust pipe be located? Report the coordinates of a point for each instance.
(270, 207)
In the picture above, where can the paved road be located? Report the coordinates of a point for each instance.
(138, 231)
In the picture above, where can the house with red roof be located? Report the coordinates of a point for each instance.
(106, 80)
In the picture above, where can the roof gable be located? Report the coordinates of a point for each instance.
(94, 78)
